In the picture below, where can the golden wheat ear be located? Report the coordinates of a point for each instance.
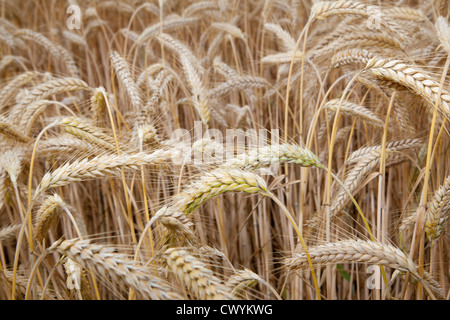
(438, 212)
(105, 261)
(199, 280)
(365, 252)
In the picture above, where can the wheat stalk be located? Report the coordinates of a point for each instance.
(378, 41)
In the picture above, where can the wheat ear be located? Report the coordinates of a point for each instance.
(410, 77)
(274, 154)
(438, 212)
(285, 38)
(222, 180)
(246, 278)
(11, 88)
(66, 145)
(77, 282)
(56, 51)
(21, 283)
(355, 177)
(199, 280)
(370, 252)
(107, 262)
(84, 131)
(243, 82)
(352, 109)
(166, 25)
(351, 56)
(8, 130)
(443, 31)
(47, 89)
(98, 106)
(324, 9)
(394, 146)
(199, 7)
(124, 74)
(9, 232)
(100, 166)
(175, 222)
(47, 215)
(241, 280)
(192, 70)
(406, 13)
(216, 182)
(378, 41)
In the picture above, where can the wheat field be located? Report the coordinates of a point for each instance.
(224, 149)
